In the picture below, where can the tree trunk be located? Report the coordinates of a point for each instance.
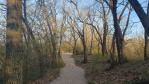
(14, 49)
(146, 38)
(119, 44)
(146, 47)
(105, 26)
(112, 51)
(85, 60)
(104, 49)
(118, 34)
(104, 45)
(54, 57)
(112, 54)
(74, 46)
(54, 61)
(98, 45)
(91, 45)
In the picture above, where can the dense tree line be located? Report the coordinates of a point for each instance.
(27, 50)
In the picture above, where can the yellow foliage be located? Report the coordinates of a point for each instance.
(134, 50)
(12, 1)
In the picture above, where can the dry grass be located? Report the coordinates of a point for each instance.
(121, 74)
(48, 77)
(134, 50)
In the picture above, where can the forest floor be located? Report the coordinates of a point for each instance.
(70, 74)
(136, 72)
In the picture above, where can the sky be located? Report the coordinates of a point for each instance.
(137, 29)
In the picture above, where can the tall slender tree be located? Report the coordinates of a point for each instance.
(146, 37)
(14, 49)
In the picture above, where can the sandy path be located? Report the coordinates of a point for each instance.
(70, 74)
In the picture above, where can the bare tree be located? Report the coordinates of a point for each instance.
(14, 48)
(81, 34)
(80, 31)
(51, 22)
(118, 32)
(141, 14)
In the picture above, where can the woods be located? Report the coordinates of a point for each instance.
(105, 37)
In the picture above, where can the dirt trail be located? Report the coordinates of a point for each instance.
(70, 74)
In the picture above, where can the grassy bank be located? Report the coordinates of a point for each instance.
(136, 72)
(50, 75)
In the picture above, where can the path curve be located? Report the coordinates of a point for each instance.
(70, 74)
